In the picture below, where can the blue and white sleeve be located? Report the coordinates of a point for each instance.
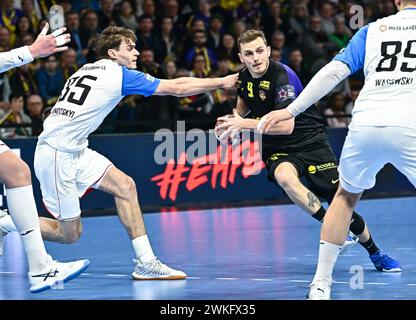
(136, 82)
(353, 55)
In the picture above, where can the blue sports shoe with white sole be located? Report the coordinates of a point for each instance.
(385, 263)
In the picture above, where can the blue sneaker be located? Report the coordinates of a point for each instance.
(385, 263)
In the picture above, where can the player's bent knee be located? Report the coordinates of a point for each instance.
(127, 187)
(285, 178)
(18, 175)
(72, 237)
(348, 197)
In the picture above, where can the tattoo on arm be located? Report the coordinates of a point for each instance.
(312, 200)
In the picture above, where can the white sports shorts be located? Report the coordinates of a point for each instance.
(368, 149)
(65, 177)
(3, 147)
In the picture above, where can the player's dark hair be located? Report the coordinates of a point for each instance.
(110, 38)
(250, 35)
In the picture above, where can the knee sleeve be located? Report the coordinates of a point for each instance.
(357, 224)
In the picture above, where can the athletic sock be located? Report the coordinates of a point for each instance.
(143, 249)
(22, 208)
(328, 254)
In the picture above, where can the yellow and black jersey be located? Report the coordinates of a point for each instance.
(275, 90)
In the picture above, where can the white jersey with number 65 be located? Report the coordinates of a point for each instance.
(386, 50)
(89, 95)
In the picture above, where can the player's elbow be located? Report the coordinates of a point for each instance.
(174, 87)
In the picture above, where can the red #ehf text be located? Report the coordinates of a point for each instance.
(220, 168)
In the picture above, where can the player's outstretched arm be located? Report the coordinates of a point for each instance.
(188, 86)
(320, 85)
(44, 45)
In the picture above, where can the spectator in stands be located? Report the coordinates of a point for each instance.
(199, 39)
(23, 81)
(149, 9)
(68, 63)
(88, 28)
(30, 11)
(202, 12)
(247, 11)
(297, 65)
(73, 26)
(279, 42)
(315, 44)
(125, 16)
(146, 37)
(326, 11)
(15, 116)
(335, 114)
(275, 55)
(50, 80)
(24, 27)
(106, 14)
(297, 23)
(215, 31)
(238, 27)
(171, 9)
(273, 20)
(167, 40)
(9, 16)
(228, 47)
(342, 34)
(169, 69)
(34, 105)
(5, 41)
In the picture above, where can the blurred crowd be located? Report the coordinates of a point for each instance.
(177, 38)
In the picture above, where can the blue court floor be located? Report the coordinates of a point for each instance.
(250, 253)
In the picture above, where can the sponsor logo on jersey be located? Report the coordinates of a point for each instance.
(150, 78)
(262, 95)
(264, 85)
(285, 92)
(312, 169)
(383, 28)
(402, 28)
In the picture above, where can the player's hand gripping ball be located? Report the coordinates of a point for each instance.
(220, 131)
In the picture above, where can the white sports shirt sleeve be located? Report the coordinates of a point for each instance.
(88, 96)
(15, 58)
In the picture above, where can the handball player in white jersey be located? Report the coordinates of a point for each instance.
(44, 272)
(66, 168)
(383, 127)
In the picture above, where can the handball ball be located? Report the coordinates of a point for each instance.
(219, 132)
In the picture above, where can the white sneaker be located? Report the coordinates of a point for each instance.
(351, 241)
(56, 274)
(155, 270)
(320, 290)
(3, 232)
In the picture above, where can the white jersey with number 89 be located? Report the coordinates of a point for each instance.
(386, 50)
(89, 95)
